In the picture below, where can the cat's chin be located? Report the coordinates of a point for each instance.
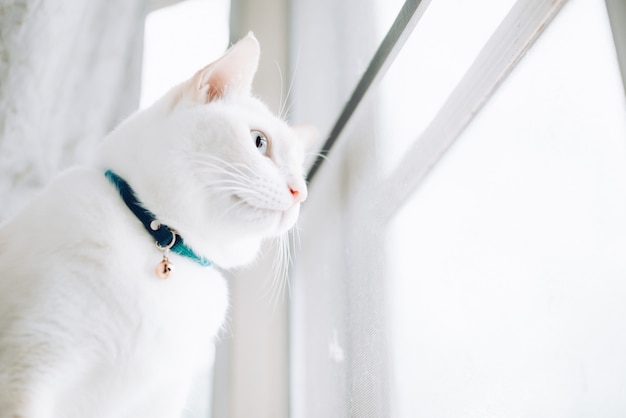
(288, 219)
(269, 222)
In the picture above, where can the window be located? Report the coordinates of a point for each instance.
(486, 281)
(201, 26)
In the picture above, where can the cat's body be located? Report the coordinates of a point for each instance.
(87, 328)
(97, 345)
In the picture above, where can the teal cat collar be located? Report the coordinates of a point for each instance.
(167, 239)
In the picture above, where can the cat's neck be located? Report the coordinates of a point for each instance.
(166, 238)
(204, 243)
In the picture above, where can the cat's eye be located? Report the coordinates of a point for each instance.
(260, 141)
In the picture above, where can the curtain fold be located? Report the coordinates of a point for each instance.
(69, 72)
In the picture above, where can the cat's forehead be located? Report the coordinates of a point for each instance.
(242, 115)
(259, 116)
(257, 110)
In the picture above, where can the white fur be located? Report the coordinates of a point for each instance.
(86, 327)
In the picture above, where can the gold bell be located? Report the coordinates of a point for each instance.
(164, 269)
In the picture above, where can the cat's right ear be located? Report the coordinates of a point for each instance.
(231, 74)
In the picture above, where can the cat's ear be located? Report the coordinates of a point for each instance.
(308, 134)
(231, 74)
(310, 138)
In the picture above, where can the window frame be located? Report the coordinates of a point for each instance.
(506, 47)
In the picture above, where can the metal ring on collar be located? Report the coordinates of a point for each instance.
(167, 246)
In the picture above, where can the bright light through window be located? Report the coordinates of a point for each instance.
(179, 40)
(507, 264)
(497, 287)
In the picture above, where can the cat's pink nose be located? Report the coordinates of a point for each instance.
(299, 193)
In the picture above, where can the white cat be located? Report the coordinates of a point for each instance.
(92, 321)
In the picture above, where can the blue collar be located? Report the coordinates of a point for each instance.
(166, 238)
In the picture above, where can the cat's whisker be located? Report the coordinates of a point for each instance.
(223, 187)
(296, 236)
(288, 111)
(220, 165)
(271, 279)
(289, 262)
(243, 201)
(283, 99)
(317, 154)
(281, 268)
(238, 167)
(212, 171)
(271, 284)
(227, 185)
(286, 105)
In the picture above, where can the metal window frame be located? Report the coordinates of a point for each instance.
(515, 35)
(504, 49)
(400, 30)
(617, 16)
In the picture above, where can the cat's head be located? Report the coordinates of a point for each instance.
(210, 160)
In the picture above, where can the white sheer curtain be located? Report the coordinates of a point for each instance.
(69, 72)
